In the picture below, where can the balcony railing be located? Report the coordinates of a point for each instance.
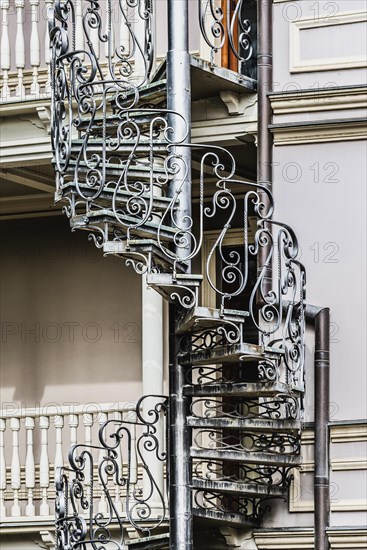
(227, 37)
(25, 57)
(34, 444)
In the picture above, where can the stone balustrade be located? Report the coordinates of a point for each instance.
(34, 442)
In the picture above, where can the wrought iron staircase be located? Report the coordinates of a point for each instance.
(122, 161)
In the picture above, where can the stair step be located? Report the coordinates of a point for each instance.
(181, 289)
(134, 171)
(95, 145)
(154, 92)
(142, 246)
(225, 518)
(255, 490)
(106, 196)
(201, 318)
(154, 542)
(243, 389)
(105, 215)
(251, 424)
(229, 354)
(247, 457)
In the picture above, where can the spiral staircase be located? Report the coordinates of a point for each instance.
(122, 161)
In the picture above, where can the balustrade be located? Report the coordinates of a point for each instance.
(25, 57)
(34, 444)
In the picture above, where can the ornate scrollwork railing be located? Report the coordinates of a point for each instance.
(225, 24)
(111, 485)
(122, 173)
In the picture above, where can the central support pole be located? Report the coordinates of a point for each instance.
(179, 101)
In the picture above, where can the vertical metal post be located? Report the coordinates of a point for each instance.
(180, 497)
(265, 84)
(322, 392)
(264, 136)
(179, 101)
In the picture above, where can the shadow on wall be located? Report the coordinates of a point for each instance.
(69, 316)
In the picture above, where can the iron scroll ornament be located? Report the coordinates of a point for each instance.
(104, 473)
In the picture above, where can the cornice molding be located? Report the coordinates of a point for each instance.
(319, 132)
(339, 538)
(318, 100)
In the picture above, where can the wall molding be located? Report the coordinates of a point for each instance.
(356, 433)
(303, 538)
(299, 65)
(297, 504)
(318, 100)
(319, 132)
(282, 540)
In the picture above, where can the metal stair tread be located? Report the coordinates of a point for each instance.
(178, 288)
(150, 542)
(184, 279)
(251, 424)
(96, 144)
(105, 213)
(118, 168)
(141, 246)
(108, 192)
(238, 389)
(247, 457)
(225, 518)
(156, 89)
(200, 318)
(239, 487)
(234, 353)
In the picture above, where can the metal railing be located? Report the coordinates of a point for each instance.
(34, 445)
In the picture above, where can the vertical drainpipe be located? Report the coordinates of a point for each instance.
(264, 114)
(322, 392)
(265, 84)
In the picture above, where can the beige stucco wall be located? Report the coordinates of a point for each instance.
(84, 311)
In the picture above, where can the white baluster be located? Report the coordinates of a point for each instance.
(102, 505)
(5, 49)
(15, 467)
(44, 465)
(20, 48)
(2, 468)
(117, 499)
(59, 459)
(29, 467)
(124, 31)
(35, 53)
(73, 423)
(88, 423)
(48, 4)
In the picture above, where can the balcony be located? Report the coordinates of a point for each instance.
(34, 445)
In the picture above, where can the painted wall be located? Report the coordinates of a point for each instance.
(320, 191)
(335, 35)
(71, 319)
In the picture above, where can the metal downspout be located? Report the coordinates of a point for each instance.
(265, 84)
(320, 316)
(264, 113)
(322, 393)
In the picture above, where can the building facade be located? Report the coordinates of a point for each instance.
(83, 338)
